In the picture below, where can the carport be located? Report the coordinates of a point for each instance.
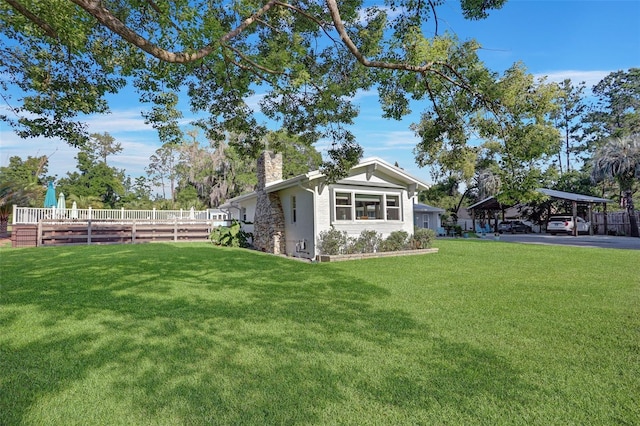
(579, 199)
(491, 204)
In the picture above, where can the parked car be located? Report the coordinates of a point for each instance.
(564, 225)
(513, 226)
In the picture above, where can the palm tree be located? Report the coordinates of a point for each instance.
(619, 159)
(86, 201)
(10, 194)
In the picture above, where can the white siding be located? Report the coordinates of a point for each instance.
(236, 212)
(302, 229)
(377, 177)
(323, 210)
(353, 227)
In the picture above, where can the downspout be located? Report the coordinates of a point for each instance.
(315, 226)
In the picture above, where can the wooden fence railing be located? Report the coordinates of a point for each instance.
(120, 232)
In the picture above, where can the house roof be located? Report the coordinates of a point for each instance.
(425, 208)
(580, 198)
(371, 164)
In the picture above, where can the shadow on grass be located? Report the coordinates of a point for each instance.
(197, 334)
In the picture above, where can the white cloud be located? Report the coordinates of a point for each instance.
(591, 78)
(253, 101)
(138, 141)
(121, 121)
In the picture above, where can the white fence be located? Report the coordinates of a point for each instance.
(33, 215)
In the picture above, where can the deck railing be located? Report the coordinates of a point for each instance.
(33, 215)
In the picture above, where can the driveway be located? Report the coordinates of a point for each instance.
(602, 241)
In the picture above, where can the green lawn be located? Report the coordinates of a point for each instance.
(482, 332)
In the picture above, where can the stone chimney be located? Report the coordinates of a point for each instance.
(269, 168)
(268, 224)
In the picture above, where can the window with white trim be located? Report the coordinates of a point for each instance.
(393, 207)
(368, 206)
(363, 206)
(343, 205)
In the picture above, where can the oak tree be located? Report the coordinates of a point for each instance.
(309, 57)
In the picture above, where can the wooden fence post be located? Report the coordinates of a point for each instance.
(175, 229)
(89, 232)
(39, 234)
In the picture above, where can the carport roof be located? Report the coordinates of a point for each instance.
(491, 203)
(580, 198)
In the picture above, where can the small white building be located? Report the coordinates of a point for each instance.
(286, 216)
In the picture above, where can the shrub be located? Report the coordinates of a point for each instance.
(230, 236)
(396, 241)
(367, 242)
(422, 238)
(332, 242)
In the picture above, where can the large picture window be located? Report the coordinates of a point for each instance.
(368, 206)
(359, 206)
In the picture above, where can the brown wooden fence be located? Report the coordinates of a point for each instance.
(617, 223)
(50, 233)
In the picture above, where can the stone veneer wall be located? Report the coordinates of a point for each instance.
(268, 224)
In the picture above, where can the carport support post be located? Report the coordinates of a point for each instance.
(473, 219)
(574, 212)
(590, 219)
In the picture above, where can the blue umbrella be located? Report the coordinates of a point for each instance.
(50, 199)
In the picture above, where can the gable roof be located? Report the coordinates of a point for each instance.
(369, 164)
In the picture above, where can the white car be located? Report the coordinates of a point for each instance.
(564, 225)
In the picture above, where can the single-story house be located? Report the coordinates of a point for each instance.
(426, 216)
(286, 216)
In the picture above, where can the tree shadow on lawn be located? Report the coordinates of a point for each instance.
(210, 335)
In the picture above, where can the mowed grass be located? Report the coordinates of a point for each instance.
(482, 332)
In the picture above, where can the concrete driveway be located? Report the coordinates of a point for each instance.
(602, 241)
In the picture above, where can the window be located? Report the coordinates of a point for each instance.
(393, 207)
(243, 214)
(343, 206)
(368, 206)
(425, 221)
(349, 206)
(293, 209)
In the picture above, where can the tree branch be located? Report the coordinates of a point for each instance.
(106, 18)
(337, 23)
(252, 63)
(48, 29)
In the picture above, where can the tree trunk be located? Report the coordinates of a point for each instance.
(633, 223)
(4, 226)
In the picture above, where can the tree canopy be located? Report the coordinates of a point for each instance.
(309, 56)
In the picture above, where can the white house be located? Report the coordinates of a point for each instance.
(286, 216)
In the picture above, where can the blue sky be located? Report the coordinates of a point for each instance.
(579, 39)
